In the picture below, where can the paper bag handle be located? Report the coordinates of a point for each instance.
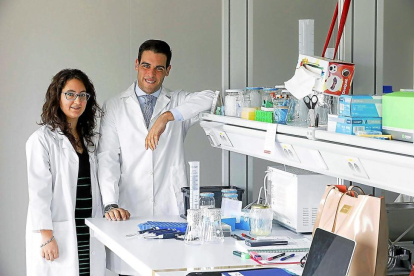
(344, 15)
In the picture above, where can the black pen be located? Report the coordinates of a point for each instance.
(275, 257)
(237, 237)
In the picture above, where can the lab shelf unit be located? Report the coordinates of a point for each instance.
(382, 164)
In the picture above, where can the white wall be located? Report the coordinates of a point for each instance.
(101, 37)
(398, 44)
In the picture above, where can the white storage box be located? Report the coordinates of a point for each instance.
(295, 196)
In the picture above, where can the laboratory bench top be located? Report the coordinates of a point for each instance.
(169, 256)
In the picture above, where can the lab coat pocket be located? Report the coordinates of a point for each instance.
(67, 263)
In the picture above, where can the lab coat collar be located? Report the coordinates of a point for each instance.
(162, 102)
(139, 92)
(128, 92)
(64, 141)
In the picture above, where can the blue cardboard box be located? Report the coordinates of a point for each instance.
(360, 106)
(350, 125)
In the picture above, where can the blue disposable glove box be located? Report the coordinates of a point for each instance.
(350, 125)
(358, 106)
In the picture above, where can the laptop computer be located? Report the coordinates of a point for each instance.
(329, 255)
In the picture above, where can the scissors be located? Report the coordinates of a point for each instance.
(311, 104)
(311, 101)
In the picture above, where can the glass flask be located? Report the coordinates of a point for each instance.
(207, 200)
(212, 232)
(193, 233)
(261, 217)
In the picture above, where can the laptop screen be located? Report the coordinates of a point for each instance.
(329, 255)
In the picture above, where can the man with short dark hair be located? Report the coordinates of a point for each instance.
(141, 150)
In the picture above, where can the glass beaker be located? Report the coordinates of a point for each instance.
(297, 113)
(323, 109)
(193, 233)
(261, 217)
(212, 232)
(207, 200)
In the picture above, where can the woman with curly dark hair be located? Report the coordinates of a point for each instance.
(63, 186)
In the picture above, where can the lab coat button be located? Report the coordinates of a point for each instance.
(152, 200)
(93, 252)
(151, 173)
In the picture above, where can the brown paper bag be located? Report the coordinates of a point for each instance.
(358, 217)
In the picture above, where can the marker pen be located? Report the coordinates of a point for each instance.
(241, 254)
(275, 257)
(288, 257)
(256, 255)
(247, 236)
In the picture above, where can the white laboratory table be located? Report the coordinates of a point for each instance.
(169, 257)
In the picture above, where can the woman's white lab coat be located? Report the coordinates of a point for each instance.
(52, 168)
(145, 182)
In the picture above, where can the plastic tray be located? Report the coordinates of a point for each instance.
(180, 226)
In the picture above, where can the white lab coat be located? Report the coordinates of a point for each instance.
(145, 182)
(52, 168)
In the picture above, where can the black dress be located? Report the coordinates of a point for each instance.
(83, 210)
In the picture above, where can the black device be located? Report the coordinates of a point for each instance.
(254, 243)
(329, 255)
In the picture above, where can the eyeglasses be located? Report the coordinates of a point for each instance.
(71, 96)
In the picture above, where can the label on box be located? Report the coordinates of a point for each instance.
(349, 125)
(360, 106)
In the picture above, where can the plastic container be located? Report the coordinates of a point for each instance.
(233, 102)
(248, 113)
(228, 191)
(216, 190)
(264, 115)
(230, 196)
(281, 105)
(255, 94)
(267, 98)
(180, 226)
(207, 200)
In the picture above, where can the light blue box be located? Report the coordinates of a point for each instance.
(360, 106)
(349, 125)
(244, 223)
(231, 222)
